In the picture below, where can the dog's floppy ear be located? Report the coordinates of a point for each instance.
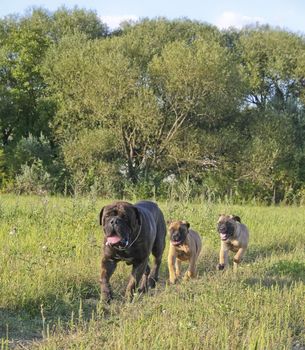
(236, 218)
(221, 217)
(138, 216)
(101, 216)
(186, 223)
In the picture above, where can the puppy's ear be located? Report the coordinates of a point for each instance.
(186, 223)
(236, 218)
(221, 217)
(101, 216)
(169, 221)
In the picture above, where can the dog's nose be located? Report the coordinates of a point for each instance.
(114, 221)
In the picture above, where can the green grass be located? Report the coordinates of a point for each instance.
(49, 290)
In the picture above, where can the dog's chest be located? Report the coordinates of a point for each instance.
(128, 256)
(183, 252)
(233, 245)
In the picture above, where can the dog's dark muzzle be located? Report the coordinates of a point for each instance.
(118, 234)
(225, 231)
(177, 239)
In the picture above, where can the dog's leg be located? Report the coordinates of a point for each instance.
(157, 253)
(136, 275)
(191, 271)
(144, 281)
(238, 257)
(178, 268)
(171, 265)
(107, 269)
(154, 275)
(223, 258)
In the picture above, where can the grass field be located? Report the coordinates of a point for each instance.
(49, 289)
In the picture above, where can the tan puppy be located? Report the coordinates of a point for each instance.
(185, 245)
(234, 237)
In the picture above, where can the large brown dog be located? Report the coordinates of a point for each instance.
(234, 237)
(132, 232)
(185, 245)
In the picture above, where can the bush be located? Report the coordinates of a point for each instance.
(93, 160)
(29, 149)
(34, 179)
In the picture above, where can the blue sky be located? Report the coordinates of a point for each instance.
(223, 13)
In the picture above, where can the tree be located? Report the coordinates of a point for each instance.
(198, 87)
(21, 85)
(66, 22)
(102, 85)
(270, 65)
(103, 91)
(271, 62)
(25, 107)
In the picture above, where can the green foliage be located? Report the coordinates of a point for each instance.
(270, 63)
(30, 158)
(93, 160)
(65, 21)
(224, 109)
(197, 79)
(30, 148)
(2, 166)
(21, 84)
(33, 179)
(116, 91)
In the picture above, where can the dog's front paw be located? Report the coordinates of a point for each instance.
(142, 289)
(220, 267)
(107, 297)
(173, 280)
(187, 276)
(151, 282)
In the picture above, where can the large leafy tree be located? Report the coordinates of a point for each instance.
(199, 90)
(66, 21)
(96, 86)
(185, 84)
(271, 61)
(25, 107)
(272, 71)
(153, 99)
(23, 46)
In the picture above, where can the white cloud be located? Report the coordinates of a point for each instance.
(237, 20)
(113, 22)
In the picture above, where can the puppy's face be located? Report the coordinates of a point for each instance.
(119, 220)
(178, 231)
(226, 226)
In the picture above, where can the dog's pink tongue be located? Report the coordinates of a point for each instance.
(223, 236)
(113, 239)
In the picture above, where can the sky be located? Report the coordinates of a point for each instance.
(287, 14)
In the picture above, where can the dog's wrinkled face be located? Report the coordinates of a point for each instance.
(226, 226)
(178, 231)
(119, 221)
